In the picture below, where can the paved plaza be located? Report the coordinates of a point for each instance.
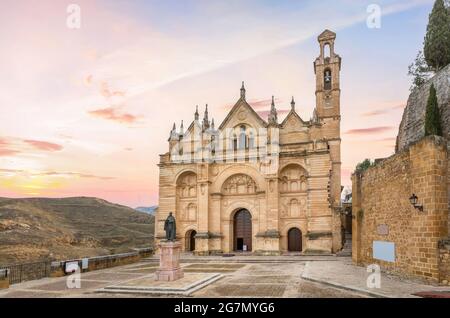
(240, 276)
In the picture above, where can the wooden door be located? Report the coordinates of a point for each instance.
(192, 241)
(242, 231)
(294, 240)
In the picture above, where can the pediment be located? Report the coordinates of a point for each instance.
(194, 128)
(242, 113)
(293, 121)
(327, 35)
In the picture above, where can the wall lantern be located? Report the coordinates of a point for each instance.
(414, 199)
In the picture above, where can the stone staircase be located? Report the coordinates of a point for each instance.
(347, 249)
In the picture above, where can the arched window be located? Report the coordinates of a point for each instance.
(327, 79)
(251, 140)
(242, 138)
(234, 141)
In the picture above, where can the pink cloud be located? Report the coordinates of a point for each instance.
(44, 145)
(5, 149)
(4, 152)
(112, 114)
(385, 110)
(265, 113)
(107, 92)
(369, 131)
(257, 103)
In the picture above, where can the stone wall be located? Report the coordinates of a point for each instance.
(382, 211)
(412, 126)
(444, 268)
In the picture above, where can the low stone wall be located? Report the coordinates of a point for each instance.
(444, 266)
(101, 262)
(382, 211)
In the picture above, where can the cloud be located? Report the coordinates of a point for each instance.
(369, 131)
(257, 103)
(389, 139)
(5, 152)
(265, 113)
(43, 145)
(5, 149)
(385, 110)
(71, 174)
(16, 172)
(112, 114)
(106, 92)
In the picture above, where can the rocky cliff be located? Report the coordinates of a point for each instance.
(412, 126)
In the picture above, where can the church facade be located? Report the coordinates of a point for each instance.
(256, 185)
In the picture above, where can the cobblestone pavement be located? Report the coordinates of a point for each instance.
(345, 275)
(242, 277)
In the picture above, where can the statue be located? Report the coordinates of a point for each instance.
(170, 228)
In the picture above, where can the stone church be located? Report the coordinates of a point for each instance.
(256, 185)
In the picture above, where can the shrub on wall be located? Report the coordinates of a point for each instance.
(432, 116)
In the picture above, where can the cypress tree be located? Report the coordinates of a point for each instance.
(432, 116)
(437, 39)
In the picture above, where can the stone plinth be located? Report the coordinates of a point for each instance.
(169, 262)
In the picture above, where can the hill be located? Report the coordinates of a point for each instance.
(39, 228)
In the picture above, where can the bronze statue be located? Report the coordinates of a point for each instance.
(170, 228)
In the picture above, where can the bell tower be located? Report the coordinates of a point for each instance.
(327, 68)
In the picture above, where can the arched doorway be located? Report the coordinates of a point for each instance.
(294, 240)
(190, 240)
(242, 231)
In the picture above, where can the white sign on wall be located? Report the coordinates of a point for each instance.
(384, 251)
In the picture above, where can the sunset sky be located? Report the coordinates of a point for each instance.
(86, 112)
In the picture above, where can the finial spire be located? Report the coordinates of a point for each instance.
(173, 132)
(196, 113)
(212, 123)
(293, 103)
(182, 128)
(243, 91)
(273, 117)
(205, 119)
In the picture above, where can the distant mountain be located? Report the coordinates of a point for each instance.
(38, 228)
(149, 210)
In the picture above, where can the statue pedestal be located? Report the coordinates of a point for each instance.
(169, 262)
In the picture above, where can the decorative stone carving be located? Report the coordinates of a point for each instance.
(242, 115)
(239, 184)
(293, 179)
(187, 185)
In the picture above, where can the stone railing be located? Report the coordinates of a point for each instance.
(100, 262)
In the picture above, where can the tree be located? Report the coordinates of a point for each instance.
(362, 166)
(432, 116)
(419, 70)
(437, 39)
